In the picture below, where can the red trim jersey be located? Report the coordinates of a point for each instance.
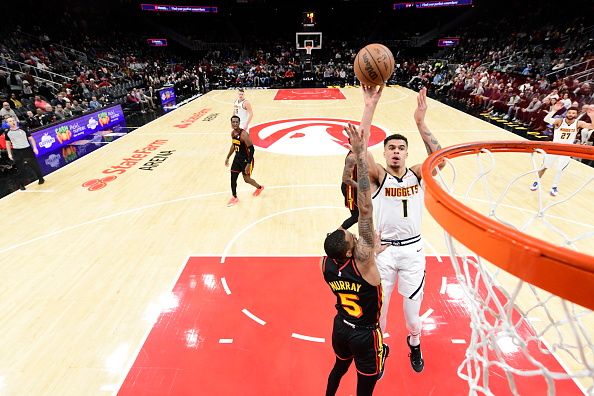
(356, 300)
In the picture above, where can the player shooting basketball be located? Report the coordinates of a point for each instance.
(397, 209)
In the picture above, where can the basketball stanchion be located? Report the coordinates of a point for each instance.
(527, 276)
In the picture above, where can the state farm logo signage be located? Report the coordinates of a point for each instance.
(148, 158)
(308, 136)
(192, 119)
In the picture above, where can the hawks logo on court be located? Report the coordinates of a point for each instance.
(308, 136)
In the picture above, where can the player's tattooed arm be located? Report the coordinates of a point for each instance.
(365, 246)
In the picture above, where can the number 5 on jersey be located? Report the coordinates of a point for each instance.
(348, 302)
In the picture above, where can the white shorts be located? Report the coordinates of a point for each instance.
(561, 161)
(405, 265)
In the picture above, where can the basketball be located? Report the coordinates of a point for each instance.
(374, 64)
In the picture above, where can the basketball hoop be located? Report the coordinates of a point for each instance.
(542, 304)
(308, 49)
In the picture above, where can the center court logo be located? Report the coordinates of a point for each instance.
(308, 136)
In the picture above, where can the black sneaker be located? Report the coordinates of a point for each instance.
(41, 181)
(22, 187)
(386, 353)
(416, 357)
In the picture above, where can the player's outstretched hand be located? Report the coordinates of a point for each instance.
(357, 139)
(558, 105)
(372, 95)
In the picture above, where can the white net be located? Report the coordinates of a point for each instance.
(524, 340)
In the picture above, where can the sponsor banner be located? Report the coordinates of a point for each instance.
(308, 136)
(431, 4)
(59, 135)
(448, 42)
(178, 8)
(54, 160)
(167, 96)
(157, 42)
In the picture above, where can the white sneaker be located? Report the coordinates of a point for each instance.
(534, 186)
(554, 191)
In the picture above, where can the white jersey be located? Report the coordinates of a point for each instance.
(565, 133)
(398, 207)
(240, 111)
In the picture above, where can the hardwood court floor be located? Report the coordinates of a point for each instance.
(87, 275)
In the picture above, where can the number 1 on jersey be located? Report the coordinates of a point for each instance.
(350, 306)
(405, 207)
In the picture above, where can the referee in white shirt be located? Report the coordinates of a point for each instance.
(21, 148)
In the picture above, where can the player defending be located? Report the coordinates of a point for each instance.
(350, 271)
(243, 162)
(243, 109)
(397, 209)
(565, 131)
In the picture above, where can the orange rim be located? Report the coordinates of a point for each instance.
(560, 271)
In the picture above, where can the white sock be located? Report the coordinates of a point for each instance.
(411, 310)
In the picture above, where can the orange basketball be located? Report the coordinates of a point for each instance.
(374, 64)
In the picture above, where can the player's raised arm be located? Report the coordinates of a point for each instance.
(549, 117)
(431, 143)
(364, 249)
(371, 96)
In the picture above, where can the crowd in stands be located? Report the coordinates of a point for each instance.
(503, 66)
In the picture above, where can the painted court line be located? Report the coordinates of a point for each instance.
(253, 317)
(308, 338)
(132, 357)
(444, 285)
(225, 286)
(226, 341)
(426, 314)
(458, 341)
(144, 207)
(232, 241)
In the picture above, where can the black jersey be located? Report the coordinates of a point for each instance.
(356, 300)
(241, 148)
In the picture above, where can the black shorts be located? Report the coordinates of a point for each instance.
(240, 165)
(363, 345)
